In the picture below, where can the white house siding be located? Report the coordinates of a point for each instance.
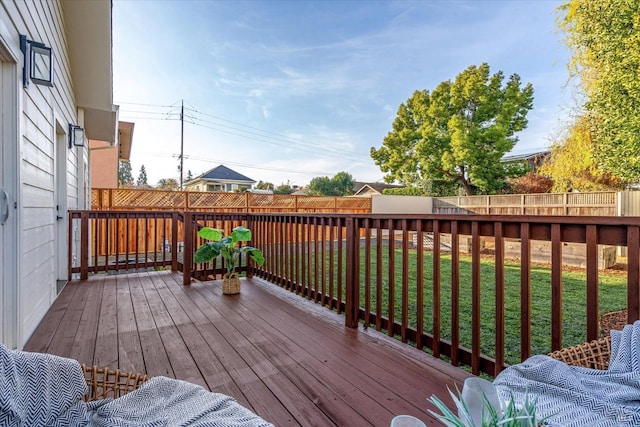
(42, 107)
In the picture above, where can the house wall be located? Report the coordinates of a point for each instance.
(104, 165)
(44, 115)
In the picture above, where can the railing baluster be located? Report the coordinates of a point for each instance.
(323, 256)
(391, 302)
(435, 346)
(500, 297)
(332, 263)
(475, 298)
(367, 273)
(556, 288)
(379, 275)
(405, 281)
(419, 284)
(525, 292)
(592, 283)
(455, 293)
(633, 273)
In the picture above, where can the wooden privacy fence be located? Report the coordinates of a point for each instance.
(576, 204)
(152, 200)
(478, 309)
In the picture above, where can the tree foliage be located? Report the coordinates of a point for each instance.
(283, 189)
(604, 37)
(189, 175)
(125, 178)
(168, 184)
(572, 164)
(261, 185)
(340, 185)
(142, 177)
(530, 183)
(459, 132)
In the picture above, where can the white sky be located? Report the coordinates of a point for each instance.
(284, 91)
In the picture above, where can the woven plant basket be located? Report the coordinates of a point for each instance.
(594, 354)
(230, 284)
(104, 383)
(615, 320)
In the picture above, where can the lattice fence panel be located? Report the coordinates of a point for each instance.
(122, 199)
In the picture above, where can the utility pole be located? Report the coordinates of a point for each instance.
(181, 142)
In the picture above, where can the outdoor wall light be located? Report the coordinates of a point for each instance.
(38, 62)
(76, 136)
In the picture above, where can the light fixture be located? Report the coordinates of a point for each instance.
(38, 62)
(76, 136)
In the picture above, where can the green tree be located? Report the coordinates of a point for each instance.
(283, 189)
(340, 185)
(189, 175)
(125, 178)
(264, 186)
(572, 164)
(168, 184)
(142, 177)
(459, 132)
(604, 37)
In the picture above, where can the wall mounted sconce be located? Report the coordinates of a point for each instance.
(38, 63)
(76, 136)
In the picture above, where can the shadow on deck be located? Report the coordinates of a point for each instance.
(289, 360)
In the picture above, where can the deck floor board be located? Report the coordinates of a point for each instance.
(289, 360)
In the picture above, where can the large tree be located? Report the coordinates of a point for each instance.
(459, 132)
(604, 36)
(125, 178)
(340, 185)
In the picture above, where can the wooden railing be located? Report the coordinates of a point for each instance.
(409, 276)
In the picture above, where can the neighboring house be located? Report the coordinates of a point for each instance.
(532, 160)
(367, 189)
(104, 157)
(219, 179)
(43, 173)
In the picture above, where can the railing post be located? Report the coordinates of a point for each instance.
(174, 242)
(253, 232)
(187, 255)
(352, 300)
(84, 245)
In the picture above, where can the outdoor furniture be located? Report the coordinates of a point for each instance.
(104, 383)
(594, 354)
(42, 389)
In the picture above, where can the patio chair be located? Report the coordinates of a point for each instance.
(104, 383)
(594, 354)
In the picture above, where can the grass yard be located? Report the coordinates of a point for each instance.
(612, 297)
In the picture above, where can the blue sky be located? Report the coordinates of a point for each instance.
(284, 91)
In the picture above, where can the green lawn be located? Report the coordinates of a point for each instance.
(612, 297)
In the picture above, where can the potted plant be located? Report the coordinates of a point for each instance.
(230, 249)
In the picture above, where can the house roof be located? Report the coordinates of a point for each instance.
(377, 186)
(527, 156)
(223, 173)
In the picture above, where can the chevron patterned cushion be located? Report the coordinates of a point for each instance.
(39, 389)
(44, 390)
(576, 396)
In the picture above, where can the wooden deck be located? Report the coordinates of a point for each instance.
(289, 360)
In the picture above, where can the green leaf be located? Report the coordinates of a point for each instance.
(255, 254)
(210, 233)
(241, 234)
(207, 252)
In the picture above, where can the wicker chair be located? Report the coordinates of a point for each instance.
(594, 354)
(104, 383)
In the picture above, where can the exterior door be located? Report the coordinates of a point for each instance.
(62, 220)
(9, 221)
